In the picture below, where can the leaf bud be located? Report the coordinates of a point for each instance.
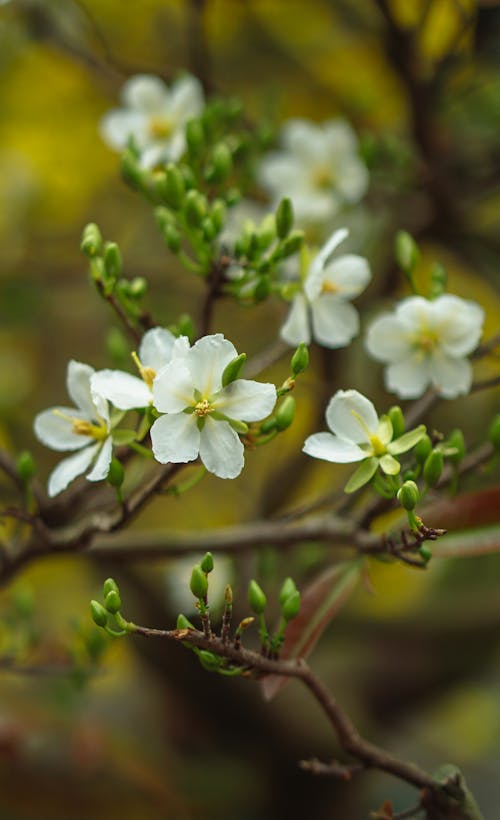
(456, 441)
(112, 601)
(300, 359)
(408, 495)
(109, 584)
(173, 187)
(397, 420)
(287, 588)
(25, 465)
(406, 251)
(232, 371)
(494, 432)
(256, 597)
(195, 208)
(98, 613)
(195, 136)
(183, 622)
(422, 449)
(116, 473)
(198, 584)
(291, 607)
(207, 562)
(91, 244)
(284, 217)
(285, 413)
(433, 467)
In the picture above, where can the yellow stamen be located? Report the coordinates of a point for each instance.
(147, 374)
(82, 427)
(160, 127)
(323, 177)
(203, 407)
(378, 447)
(329, 287)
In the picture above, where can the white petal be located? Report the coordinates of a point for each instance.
(56, 432)
(117, 126)
(340, 138)
(316, 273)
(246, 400)
(332, 448)
(414, 312)
(186, 98)
(352, 179)
(176, 438)
(206, 361)
(304, 140)
(102, 462)
(78, 386)
(451, 376)
(122, 389)
(349, 275)
(173, 388)
(155, 154)
(335, 323)
(330, 246)
(145, 92)
(389, 340)
(279, 172)
(221, 449)
(408, 378)
(459, 324)
(351, 416)
(313, 207)
(156, 347)
(296, 327)
(70, 468)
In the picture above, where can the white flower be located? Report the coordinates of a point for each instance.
(323, 309)
(319, 169)
(424, 343)
(154, 116)
(359, 435)
(158, 346)
(85, 428)
(200, 413)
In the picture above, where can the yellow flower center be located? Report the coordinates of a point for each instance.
(329, 287)
(147, 374)
(203, 408)
(323, 177)
(377, 446)
(426, 341)
(82, 427)
(160, 127)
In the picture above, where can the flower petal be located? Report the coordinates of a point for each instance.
(388, 340)
(122, 389)
(316, 273)
(53, 427)
(331, 448)
(176, 438)
(351, 416)
(78, 386)
(389, 465)
(335, 322)
(452, 377)
(69, 468)
(206, 361)
(459, 324)
(102, 462)
(173, 387)
(349, 275)
(117, 126)
(296, 327)
(186, 98)
(407, 440)
(145, 92)
(156, 347)
(221, 449)
(246, 400)
(409, 378)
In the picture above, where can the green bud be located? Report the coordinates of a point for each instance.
(218, 214)
(291, 607)
(131, 170)
(174, 187)
(397, 420)
(91, 244)
(112, 601)
(262, 289)
(433, 467)
(116, 473)
(172, 238)
(208, 229)
(208, 660)
(267, 232)
(195, 136)
(98, 613)
(456, 440)
(256, 597)
(409, 475)
(109, 585)
(290, 245)
(164, 217)
(285, 413)
(425, 553)
(268, 425)
(494, 432)
(232, 371)
(284, 218)
(138, 287)
(422, 449)
(408, 495)
(195, 208)
(438, 281)
(198, 584)
(183, 622)
(233, 196)
(287, 588)
(407, 253)
(207, 562)
(300, 359)
(25, 465)
(228, 595)
(220, 165)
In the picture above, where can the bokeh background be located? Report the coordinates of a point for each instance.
(416, 661)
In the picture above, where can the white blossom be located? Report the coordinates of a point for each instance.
(319, 168)
(157, 348)
(322, 309)
(425, 343)
(85, 428)
(154, 117)
(358, 434)
(202, 416)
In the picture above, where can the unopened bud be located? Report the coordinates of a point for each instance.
(186, 325)
(397, 420)
(433, 467)
(116, 473)
(285, 413)
(109, 585)
(228, 595)
(207, 562)
(112, 602)
(172, 238)
(290, 245)
(208, 229)
(438, 281)
(407, 253)
(131, 170)
(291, 607)
(98, 613)
(422, 449)
(287, 588)
(183, 622)
(138, 287)
(425, 553)
(494, 432)
(284, 218)
(408, 495)
(173, 188)
(268, 425)
(256, 597)
(300, 359)
(267, 232)
(220, 165)
(25, 465)
(262, 289)
(457, 442)
(195, 208)
(198, 584)
(195, 136)
(232, 371)
(91, 244)
(218, 214)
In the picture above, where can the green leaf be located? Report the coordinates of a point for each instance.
(362, 475)
(407, 441)
(123, 436)
(389, 465)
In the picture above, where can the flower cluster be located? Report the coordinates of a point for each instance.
(204, 408)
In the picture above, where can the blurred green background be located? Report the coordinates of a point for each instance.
(417, 664)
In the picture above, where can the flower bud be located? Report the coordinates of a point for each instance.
(172, 238)
(164, 217)
(98, 613)
(433, 467)
(91, 244)
(290, 245)
(218, 214)
(425, 553)
(267, 232)
(207, 562)
(131, 170)
(173, 188)
(233, 196)
(284, 217)
(397, 420)
(422, 449)
(287, 588)
(25, 465)
(291, 607)
(256, 598)
(285, 413)
(198, 584)
(408, 495)
(228, 595)
(112, 601)
(268, 425)
(300, 359)
(138, 287)
(407, 253)
(112, 260)
(195, 136)
(208, 229)
(195, 208)
(494, 432)
(109, 585)
(438, 281)
(220, 165)
(232, 371)
(456, 441)
(262, 289)
(116, 473)
(183, 622)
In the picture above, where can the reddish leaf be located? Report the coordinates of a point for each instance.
(321, 601)
(480, 541)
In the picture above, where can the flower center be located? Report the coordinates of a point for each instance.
(82, 427)
(426, 341)
(377, 446)
(323, 177)
(329, 287)
(147, 374)
(203, 408)
(160, 128)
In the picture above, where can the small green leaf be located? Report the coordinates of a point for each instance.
(407, 441)
(362, 476)
(389, 465)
